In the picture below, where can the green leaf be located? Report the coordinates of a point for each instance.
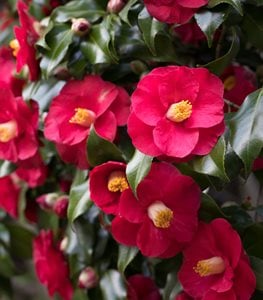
(126, 255)
(257, 266)
(172, 287)
(149, 28)
(7, 266)
(91, 10)
(43, 91)
(112, 286)
(253, 240)
(124, 13)
(234, 3)
(209, 22)
(6, 168)
(209, 210)
(246, 134)
(80, 294)
(101, 150)
(79, 196)
(218, 65)
(253, 26)
(213, 163)
(98, 48)
(138, 167)
(58, 40)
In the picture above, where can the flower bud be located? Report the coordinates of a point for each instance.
(115, 6)
(47, 201)
(60, 207)
(88, 278)
(80, 26)
(63, 244)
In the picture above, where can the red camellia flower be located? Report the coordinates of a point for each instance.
(239, 81)
(177, 112)
(10, 192)
(18, 126)
(91, 101)
(164, 217)
(107, 182)
(51, 267)
(215, 265)
(173, 11)
(142, 288)
(24, 45)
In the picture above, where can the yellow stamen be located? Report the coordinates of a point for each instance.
(211, 266)
(117, 182)
(180, 111)
(229, 83)
(83, 117)
(8, 131)
(14, 45)
(160, 214)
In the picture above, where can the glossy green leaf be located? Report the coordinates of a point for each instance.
(137, 168)
(149, 28)
(257, 266)
(246, 134)
(237, 4)
(213, 163)
(58, 40)
(79, 196)
(101, 150)
(112, 286)
(172, 287)
(98, 48)
(7, 268)
(253, 26)
(209, 22)
(80, 294)
(6, 167)
(209, 209)
(89, 9)
(43, 91)
(124, 13)
(218, 65)
(125, 256)
(253, 240)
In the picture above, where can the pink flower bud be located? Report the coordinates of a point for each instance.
(47, 201)
(61, 205)
(80, 26)
(88, 278)
(115, 6)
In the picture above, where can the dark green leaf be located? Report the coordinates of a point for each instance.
(80, 294)
(218, 66)
(246, 134)
(149, 28)
(209, 22)
(209, 210)
(213, 163)
(126, 255)
(101, 150)
(238, 217)
(253, 26)
(7, 268)
(112, 286)
(58, 40)
(257, 266)
(138, 168)
(43, 91)
(124, 13)
(79, 196)
(234, 3)
(253, 240)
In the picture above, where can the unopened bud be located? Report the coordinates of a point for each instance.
(47, 201)
(60, 207)
(88, 278)
(80, 26)
(63, 244)
(115, 6)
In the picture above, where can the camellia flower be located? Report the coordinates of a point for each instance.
(18, 126)
(177, 112)
(91, 101)
(51, 267)
(24, 44)
(215, 265)
(164, 217)
(10, 192)
(142, 287)
(173, 11)
(107, 182)
(239, 81)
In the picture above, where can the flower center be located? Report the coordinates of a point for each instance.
(8, 131)
(117, 182)
(14, 45)
(160, 214)
(229, 83)
(211, 266)
(178, 112)
(83, 117)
